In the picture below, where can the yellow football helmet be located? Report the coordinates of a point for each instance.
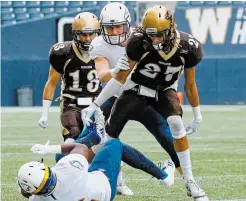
(84, 23)
(159, 21)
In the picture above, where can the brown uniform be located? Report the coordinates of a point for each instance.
(80, 85)
(159, 73)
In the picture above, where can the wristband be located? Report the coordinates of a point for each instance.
(53, 149)
(46, 107)
(197, 113)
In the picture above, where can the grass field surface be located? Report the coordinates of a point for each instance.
(218, 152)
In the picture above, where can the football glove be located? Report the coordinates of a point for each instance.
(122, 64)
(43, 121)
(87, 113)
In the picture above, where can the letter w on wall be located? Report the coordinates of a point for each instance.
(213, 21)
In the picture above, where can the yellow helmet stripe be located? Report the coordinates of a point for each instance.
(46, 176)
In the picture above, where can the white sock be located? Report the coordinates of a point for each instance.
(185, 163)
(120, 176)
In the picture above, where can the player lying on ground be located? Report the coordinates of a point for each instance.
(158, 53)
(72, 179)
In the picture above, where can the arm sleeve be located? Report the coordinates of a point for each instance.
(57, 59)
(194, 55)
(135, 46)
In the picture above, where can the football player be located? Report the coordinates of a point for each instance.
(72, 179)
(106, 51)
(69, 61)
(158, 53)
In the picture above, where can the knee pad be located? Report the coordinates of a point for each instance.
(176, 126)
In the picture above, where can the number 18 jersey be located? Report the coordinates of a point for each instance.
(79, 77)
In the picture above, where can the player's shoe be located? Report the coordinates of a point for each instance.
(169, 168)
(122, 189)
(194, 191)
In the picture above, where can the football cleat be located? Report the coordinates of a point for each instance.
(169, 168)
(122, 189)
(194, 191)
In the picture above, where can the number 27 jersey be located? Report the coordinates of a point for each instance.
(157, 70)
(79, 77)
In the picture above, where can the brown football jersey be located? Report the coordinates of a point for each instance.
(79, 77)
(157, 70)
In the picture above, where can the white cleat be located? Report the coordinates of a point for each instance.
(169, 168)
(123, 189)
(194, 191)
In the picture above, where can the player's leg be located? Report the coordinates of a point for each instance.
(168, 105)
(137, 160)
(119, 115)
(158, 127)
(108, 159)
(106, 108)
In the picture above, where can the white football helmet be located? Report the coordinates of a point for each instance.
(36, 178)
(114, 14)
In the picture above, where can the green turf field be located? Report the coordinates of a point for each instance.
(218, 152)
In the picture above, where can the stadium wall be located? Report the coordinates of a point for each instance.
(220, 76)
(222, 31)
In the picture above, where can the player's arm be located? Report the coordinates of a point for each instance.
(103, 71)
(102, 68)
(191, 60)
(74, 148)
(49, 89)
(190, 87)
(66, 149)
(114, 84)
(193, 57)
(57, 61)
(100, 55)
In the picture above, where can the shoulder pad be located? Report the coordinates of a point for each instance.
(191, 50)
(99, 46)
(61, 48)
(58, 55)
(136, 46)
